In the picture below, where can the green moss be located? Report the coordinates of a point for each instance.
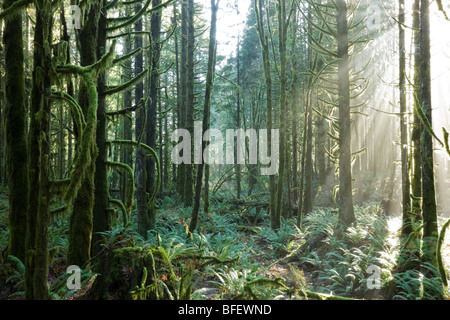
(131, 20)
(125, 212)
(81, 224)
(138, 273)
(87, 152)
(75, 109)
(14, 9)
(126, 85)
(446, 141)
(440, 262)
(131, 186)
(150, 153)
(16, 145)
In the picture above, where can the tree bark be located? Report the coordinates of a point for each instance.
(140, 168)
(81, 221)
(206, 109)
(36, 261)
(127, 125)
(190, 101)
(294, 112)
(416, 184)
(258, 5)
(283, 23)
(346, 210)
(154, 57)
(101, 216)
(15, 134)
(407, 223)
(308, 197)
(428, 187)
(182, 88)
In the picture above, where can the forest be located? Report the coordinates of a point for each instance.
(224, 150)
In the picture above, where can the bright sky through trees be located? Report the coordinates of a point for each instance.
(228, 22)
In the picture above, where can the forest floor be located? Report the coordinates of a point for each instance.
(236, 255)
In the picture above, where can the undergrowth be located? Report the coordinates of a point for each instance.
(235, 254)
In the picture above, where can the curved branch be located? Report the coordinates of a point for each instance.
(131, 20)
(125, 213)
(125, 85)
(14, 8)
(126, 111)
(440, 263)
(124, 167)
(77, 112)
(151, 153)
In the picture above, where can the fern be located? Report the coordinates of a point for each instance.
(20, 267)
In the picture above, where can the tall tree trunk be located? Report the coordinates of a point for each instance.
(206, 109)
(101, 216)
(407, 223)
(294, 112)
(346, 210)
(283, 23)
(176, 112)
(127, 121)
(301, 207)
(308, 206)
(161, 143)
(140, 169)
(16, 134)
(430, 230)
(190, 101)
(238, 167)
(416, 184)
(258, 5)
(154, 57)
(182, 88)
(36, 262)
(81, 221)
(165, 141)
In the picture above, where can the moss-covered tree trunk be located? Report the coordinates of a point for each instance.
(430, 231)
(101, 216)
(36, 262)
(15, 121)
(190, 103)
(308, 194)
(263, 38)
(294, 120)
(238, 167)
(283, 24)
(407, 223)
(126, 154)
(140, 169)
(154, 77)
(408, 259)
(136, 273)
(321, 140)
(181, 92)
(206, 109)
(346, 210)
(81, 221)
(416, 185)
(176, 111)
